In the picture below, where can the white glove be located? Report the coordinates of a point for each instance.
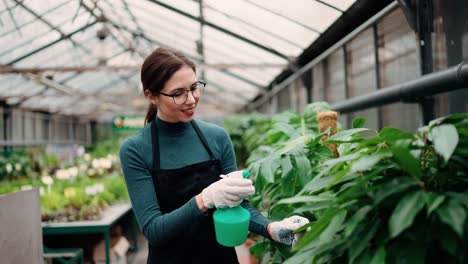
(227, 192)
(283, 231)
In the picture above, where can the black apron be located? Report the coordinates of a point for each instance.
(174, 188)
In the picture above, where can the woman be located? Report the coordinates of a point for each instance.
(173, 172)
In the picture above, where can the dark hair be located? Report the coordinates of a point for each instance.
(157, 69)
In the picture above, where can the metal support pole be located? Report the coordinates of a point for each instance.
(453, 78)
(424, 14)
(200, 44)
(377, 72)
(307, 79)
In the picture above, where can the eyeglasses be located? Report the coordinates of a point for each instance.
(181, 95)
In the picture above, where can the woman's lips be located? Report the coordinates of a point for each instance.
(189, 112)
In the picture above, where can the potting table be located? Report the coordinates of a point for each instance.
(103, 226)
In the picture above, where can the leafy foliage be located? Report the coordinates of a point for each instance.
(392, 197)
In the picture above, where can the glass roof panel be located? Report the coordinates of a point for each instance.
(62, 54)
(82, 18)
(43, 6)
(17, 85)
(125, 59)
(88, 82)
(116, 11)
(16, 18)
(245, 52)
(230, 84)
(32, 37)
(64, 76)
(270, 22)
(167, 28)
(308, 13)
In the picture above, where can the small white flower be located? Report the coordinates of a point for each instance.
(106, 163)
(62, 174)
(99, 187)
(83, 167)
(18, 166)
(90, 190)
(96, 163)
(9, 167)
(87, 157)
(47, 180)
(73, 171)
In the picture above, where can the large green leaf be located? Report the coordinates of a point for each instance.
(317, 228)
(454, 117)
(317, 184)
(445, 139)
(302, 168)
(361, 240)
(306, 199)
(393, 134)
(453, 214)
(379, 256)
(288, 179)
(433, 200)
(406, 161)
(293, 144)
(311, 208)
(356, 219)
(333, 227)
(393, 186)
(405, 212)
(345, 134)
(269, 167)
(359, 122)
(368, 162)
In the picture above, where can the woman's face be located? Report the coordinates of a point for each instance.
(180, 82)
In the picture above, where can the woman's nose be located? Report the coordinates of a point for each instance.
(190, 98)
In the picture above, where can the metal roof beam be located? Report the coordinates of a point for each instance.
(217, 66)
(228, 32)
(330, 6)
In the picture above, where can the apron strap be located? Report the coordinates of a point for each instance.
(202, 138)
(155, 141)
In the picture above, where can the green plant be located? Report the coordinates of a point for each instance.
(393, 197)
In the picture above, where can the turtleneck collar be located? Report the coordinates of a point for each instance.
(171, 128)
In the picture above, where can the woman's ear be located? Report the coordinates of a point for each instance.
(151, 97)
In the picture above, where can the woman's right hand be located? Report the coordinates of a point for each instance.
(227, 192)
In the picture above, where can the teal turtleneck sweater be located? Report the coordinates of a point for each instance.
(179, 146)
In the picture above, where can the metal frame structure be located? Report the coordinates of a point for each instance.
(134, 40)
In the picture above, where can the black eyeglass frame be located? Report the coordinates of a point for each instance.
(186, 95)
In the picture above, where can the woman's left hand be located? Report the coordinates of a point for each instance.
(283, 231)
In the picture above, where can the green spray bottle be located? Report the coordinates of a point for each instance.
(232, 224)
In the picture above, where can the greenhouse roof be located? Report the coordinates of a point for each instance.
(83, 57)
